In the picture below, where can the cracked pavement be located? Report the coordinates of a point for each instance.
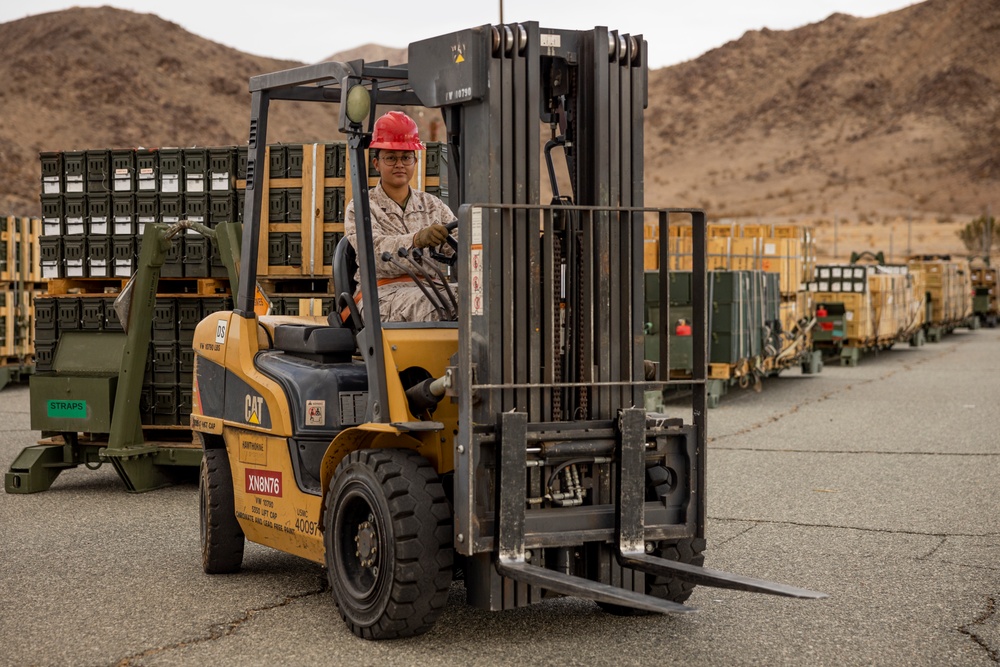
(875, 484)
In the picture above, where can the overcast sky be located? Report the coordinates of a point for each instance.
(310, 30)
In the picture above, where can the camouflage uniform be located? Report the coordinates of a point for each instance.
(393, 228)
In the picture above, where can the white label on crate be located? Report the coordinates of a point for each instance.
(50, 270)
(548, 40)
(220, 180)
(50, 185)
(859, 272)
(195, 183)
(220, 331)
(849, 316)
(476, 280)
(835, 272)
(99, 226)
(122, 184)
(859, 287)
(824, 286)
(74, 228)
(122, 227)
(770, 249)
(170, 183)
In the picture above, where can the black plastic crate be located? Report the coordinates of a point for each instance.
(44, 351)
(277, 205)
(197, 257)
(100, 263)
(433, 166)
(147, 208)
(52, 173)
(242, 153)
(98, 214)
(278, 160)
(171, 170)
(75, 163)
(111, 320)
(165, 405)
(294, 249)
(75, 256)
(165, 319)
(52, 215)
(51, 163)
(171, 207)
(98, 170)
(277, 249)
(293, 161)
(46, 316)
(92, 313)
(75, 214)
(222, 169)
(122, 170)
(333, 204)
(123, 252)
(195, 170)
(289, 305)
(293, 204)
(50, 249)
(333, 161)
(123, 214)
(222, 207)
(164, 362)
(68, 314)
(147, 177)
(188, 314)
(196, 207)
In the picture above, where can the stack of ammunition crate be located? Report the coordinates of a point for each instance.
(948, 285)
(20, 280)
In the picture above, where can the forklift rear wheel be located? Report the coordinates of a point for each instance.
(690, 551)
(222, 538)
(388, 539)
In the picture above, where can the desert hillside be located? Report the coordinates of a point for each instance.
(867, 121)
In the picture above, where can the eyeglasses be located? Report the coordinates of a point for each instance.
(391, 160)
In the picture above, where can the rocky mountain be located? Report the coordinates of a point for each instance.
(855, 117)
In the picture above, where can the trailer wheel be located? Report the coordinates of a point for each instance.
(222, 538)
(388, 540)
(690, 551)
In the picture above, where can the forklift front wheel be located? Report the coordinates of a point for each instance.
(222, 538)
(388, 539)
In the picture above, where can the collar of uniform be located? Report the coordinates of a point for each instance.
(387, 203)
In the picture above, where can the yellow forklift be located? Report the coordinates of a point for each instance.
(507, 445)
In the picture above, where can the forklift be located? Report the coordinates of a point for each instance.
(507, 445)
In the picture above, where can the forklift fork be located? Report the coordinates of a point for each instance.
(630, 549)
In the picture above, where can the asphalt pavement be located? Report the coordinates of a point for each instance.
(875, 484)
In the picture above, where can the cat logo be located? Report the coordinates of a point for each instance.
(254, 409)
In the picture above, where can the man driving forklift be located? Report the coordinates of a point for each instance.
(401, 217)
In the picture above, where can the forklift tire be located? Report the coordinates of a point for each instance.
(690, 551)
(388, 539)
(222, 538)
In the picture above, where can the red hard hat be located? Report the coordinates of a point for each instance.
(395, 131)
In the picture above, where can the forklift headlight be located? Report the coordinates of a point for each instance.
(358, 104)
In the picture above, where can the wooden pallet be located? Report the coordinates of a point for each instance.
(112, 286)
(22, 260)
